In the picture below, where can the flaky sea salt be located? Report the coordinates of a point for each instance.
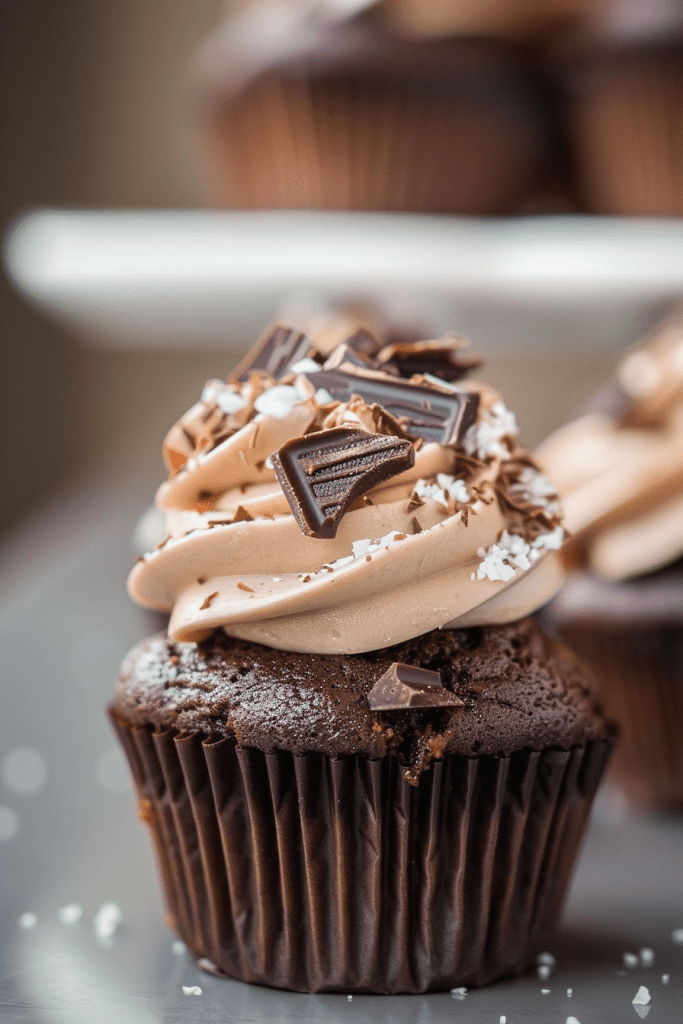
(446, 487)
(543, 971)
(572, 1020)
(677, 935)
(230, 401)
(106, 920)
(546, 958)
(458, 993)
(278, 401)
(71, 913)
(630, 960)
(535, 488)
(570, 993)
(483, 440)
(28, 921)
(323, 396)
(665, 979)
(545, 991)
(305, 365)
(549, 541)
(642, 997)
(647, 957)
(191, 990)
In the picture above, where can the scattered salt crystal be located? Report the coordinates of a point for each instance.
(277, 401)
(546, 958)
(570, 993)
(211, 390)
(178, 947)
(572, 1020)
(484, 439)
(677, 935)
(665, 979)
(306, 365)
(545, 991)
(549, 541)
(230, 401)
(278, 579)
(360, 547)
(647, 957)
(543, 971)
(503, 1020)
(106, 920)
(323, 396)
(458, 993)
(642, 997)
(191, 990)
(71, 913)
(349, 998)
(630, 960)
(28, 921)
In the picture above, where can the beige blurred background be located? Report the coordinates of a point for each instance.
(96, 113)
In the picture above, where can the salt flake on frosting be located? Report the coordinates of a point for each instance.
(484, 440)
(279, 400)
(535, 488)
(502, 560)
(446, 487)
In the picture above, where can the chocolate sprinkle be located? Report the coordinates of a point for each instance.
(322, 474)
(275, 352)
(423, 412)
(405, 686)
(207, 601)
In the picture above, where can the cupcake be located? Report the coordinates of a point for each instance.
(624, 115)
(619, 468)
(301, 106)
(363, 766)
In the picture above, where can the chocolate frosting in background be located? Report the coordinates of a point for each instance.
(619, 466)
(466, 537)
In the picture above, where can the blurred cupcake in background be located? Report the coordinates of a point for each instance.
(363, 106)
(624, 109)
(619, 469)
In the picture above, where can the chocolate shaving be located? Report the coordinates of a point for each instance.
(275, 353)
(241, 515)
(415, 502)
(243, 586)
(207, 601)
(422, 411)
(405, 686)
(322, 474)
(416, 526)
(442, 357)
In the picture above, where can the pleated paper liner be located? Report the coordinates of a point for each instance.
(330, 143)
(335, 875)
(639, 674)
(626, 125)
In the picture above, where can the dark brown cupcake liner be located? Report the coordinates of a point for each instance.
(639, 673)
(335, 875)
(625, 114)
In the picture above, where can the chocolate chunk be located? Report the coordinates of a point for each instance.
(275, 352)
(442, 357)
(405, 686)
(363, 341)
(422, 411)
(323, 473)
(344, 355)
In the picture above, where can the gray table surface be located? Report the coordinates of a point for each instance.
(69, 835)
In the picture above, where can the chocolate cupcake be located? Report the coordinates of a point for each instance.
(619, 467)
(361, 771)
(624, 105)
(301, 107)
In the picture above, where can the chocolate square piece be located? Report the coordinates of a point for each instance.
(323, 473)
(423, 412)
(405, 686)
(275, 352)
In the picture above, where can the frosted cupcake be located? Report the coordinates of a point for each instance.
(619, 468)
(364, 767)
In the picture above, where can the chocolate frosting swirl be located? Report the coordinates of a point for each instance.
(466, 536)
